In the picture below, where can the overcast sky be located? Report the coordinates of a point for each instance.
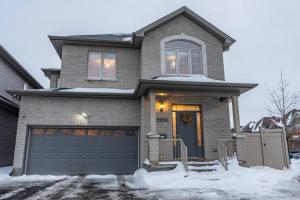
(267, 34)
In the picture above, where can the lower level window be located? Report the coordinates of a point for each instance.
(102, 65)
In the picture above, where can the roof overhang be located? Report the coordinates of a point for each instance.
(59, 41)
(182, 88)
(199, 88)
(49, 71)
(57, 93)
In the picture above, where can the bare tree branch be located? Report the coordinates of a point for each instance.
(280, 99)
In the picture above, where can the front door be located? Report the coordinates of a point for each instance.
(186, 129)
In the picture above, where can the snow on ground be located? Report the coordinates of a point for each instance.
(254, 181)
(5, 171)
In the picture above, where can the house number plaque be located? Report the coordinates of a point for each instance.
(161, 119)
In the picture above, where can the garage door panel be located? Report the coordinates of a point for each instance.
(85, 154)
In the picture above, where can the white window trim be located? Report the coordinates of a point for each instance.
(182, 37)
(101, 78)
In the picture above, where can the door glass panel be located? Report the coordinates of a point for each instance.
(79, 132)
(186, 108)
(199, 130)
(38, 131)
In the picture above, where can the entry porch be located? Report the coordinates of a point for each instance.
(190, 121)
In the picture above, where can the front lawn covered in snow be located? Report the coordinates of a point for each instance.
(253, 181)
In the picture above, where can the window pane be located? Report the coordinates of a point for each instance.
(196, 62)
(171, 62)
(109, 65)
(94, 65)
(183, 65)
(182, 44)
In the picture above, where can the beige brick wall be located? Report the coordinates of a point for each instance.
(150, 52)
(74, 67)
(66, 111)
(215, 116)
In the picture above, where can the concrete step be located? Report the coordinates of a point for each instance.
(202, 164)
(202, 170)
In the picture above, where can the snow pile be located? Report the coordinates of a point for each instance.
(188, 78)
(238, 180)
(5, 171)
(99, 90)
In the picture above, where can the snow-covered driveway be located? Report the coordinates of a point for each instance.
(237, 183)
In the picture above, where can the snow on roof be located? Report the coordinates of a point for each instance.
(127, 38)
(188, 78)
(99, 90)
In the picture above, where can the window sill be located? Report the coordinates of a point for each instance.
(103, 79)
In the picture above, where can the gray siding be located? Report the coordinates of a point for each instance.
(150, 52)
(8, 129)
(215, 116)
(66, 111)
(74, 67)
(9, 80)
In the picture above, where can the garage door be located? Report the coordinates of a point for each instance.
(82, 151)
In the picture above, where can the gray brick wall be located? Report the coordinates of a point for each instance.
(65, 111)
(150, 52)
(215, 116)
(74, 67)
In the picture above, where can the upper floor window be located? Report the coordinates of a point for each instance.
(102, 65)
(183, 57)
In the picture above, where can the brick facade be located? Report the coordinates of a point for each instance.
(132, 64)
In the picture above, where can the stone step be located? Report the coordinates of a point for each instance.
(202, 164)
(203, 170)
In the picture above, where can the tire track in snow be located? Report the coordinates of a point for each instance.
(57, 190)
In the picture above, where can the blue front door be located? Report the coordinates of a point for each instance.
(186, 129)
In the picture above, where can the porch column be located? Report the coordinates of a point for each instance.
(153, 138)
(152, 113)
(236, 114)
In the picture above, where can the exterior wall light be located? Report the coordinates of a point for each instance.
(85, 115)
(161, 107)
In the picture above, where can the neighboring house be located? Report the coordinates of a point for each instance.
(293, 129)
(116, 90)
(265, 122)
(12, 76)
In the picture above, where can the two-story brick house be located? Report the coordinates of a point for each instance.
(113, 91)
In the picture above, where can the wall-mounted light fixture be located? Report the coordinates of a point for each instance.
(161, 106)
(85, 115)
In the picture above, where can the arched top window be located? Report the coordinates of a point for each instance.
(183, 57)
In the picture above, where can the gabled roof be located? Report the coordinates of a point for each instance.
(226, 39)
(135, 39)
(18, 68)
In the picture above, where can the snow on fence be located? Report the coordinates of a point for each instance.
(173, 150)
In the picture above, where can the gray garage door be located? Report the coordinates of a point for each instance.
(82, 151)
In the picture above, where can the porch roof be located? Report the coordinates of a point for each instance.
(199, 85)
(206, 87)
